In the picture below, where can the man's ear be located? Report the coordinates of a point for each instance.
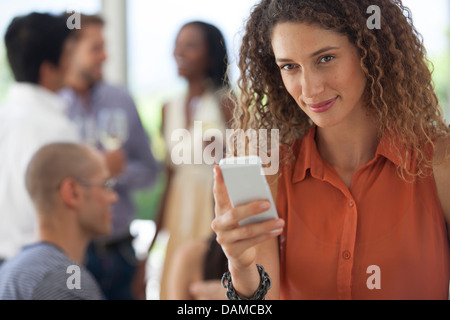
(47, 68)
(70, 192)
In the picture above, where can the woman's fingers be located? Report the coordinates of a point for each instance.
(231, 218)
(239, 247)
(250, 231)
(221, 197)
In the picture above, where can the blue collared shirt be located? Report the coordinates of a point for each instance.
(141, 167)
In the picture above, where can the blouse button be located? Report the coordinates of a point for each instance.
(351, 203)
(346, 255)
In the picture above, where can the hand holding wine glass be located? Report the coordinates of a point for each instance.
(112, 128)
(113, 133)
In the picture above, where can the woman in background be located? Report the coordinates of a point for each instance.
(188, 204)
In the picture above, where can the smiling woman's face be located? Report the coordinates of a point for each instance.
(321, 70)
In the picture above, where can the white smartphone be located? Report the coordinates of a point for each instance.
(245, 182)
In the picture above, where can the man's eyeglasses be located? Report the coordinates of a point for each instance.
(108, 184)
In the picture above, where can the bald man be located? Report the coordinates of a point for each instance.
(70, 188)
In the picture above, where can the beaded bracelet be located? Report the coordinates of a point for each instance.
(264, 285)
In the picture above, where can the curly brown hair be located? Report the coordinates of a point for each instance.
(399, 91)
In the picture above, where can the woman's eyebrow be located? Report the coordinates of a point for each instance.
(284, 60)
(323, 50)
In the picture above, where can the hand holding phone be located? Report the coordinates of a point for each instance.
(238, 185)
(245, 182)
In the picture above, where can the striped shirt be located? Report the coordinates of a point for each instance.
(44, 272)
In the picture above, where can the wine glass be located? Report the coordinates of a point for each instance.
(88, 129)
(112, 128)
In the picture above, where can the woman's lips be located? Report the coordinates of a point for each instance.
(322, 106)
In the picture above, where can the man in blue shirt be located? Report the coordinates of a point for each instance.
(111, 260)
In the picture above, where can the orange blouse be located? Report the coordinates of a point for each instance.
(383, 238)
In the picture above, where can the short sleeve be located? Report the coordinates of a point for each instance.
(56, 286)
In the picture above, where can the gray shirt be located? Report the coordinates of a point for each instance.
(44, 272)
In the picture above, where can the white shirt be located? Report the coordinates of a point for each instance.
(31, 118)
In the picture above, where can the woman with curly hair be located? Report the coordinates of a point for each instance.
(362, 192)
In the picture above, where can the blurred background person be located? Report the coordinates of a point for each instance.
(70, 187)
(196, 271)
(187, 207)
(38, 53)
(108, 119)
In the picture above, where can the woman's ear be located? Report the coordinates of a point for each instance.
(70, 192)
